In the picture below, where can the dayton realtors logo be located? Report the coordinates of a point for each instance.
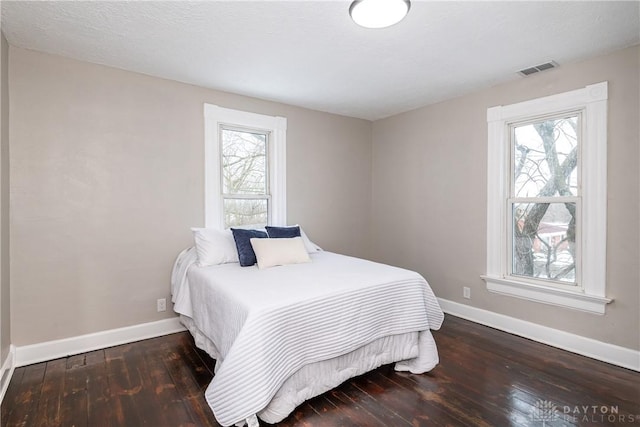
(545, 411)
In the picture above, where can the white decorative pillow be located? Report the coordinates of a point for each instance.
(214, 246)
(311, 247)
(272, 252)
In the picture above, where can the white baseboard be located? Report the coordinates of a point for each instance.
(35, 353)
(610, 353)
(6, 372)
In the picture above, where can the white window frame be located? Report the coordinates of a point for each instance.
(276, 127)
(590, 293)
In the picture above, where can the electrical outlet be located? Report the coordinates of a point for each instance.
(162, 304)
(466, 292)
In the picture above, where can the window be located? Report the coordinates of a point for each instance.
(544, 200)
(547, 199)
(245, 180)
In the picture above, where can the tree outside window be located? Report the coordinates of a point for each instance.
(245, 183)
(544, 200)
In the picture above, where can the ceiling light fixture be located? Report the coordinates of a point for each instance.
(378, 13)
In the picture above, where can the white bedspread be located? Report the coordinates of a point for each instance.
(267, 324)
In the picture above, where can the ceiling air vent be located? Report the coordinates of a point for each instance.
(538, 68)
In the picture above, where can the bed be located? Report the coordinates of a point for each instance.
(283, 335)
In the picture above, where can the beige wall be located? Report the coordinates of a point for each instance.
(107, 176)
(429, 195)
(5, 299)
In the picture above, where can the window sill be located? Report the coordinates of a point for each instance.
(547, 295)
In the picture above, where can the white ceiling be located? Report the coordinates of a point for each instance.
(310, 53)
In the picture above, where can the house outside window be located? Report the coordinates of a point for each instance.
(245, 175)
(546, 207)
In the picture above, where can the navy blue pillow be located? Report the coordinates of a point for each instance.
(283, 232)
(243, 237)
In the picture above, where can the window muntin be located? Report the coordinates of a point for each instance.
(544, 200)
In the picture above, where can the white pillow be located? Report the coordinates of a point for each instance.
(311, 247)
(214, 246)
(272, 252)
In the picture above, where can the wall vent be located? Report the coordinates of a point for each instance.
(538, 68)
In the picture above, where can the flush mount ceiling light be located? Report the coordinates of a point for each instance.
(378, 13)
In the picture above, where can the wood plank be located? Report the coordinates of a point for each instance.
(131, 400)
(74, 403)
(27, 397)
(49, 412)
(305, 416)
(353, 409)
(9, 401)
(99, 401)
(199, 371)
(167, 399)
(330, 413)
(186, 385)
(388, 416)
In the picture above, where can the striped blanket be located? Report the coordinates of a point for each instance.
(267, 324)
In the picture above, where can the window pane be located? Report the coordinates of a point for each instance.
(545, 158)
(245, 212)
(244, 162)
(544, 237)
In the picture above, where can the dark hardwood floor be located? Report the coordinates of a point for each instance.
(485, 378)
